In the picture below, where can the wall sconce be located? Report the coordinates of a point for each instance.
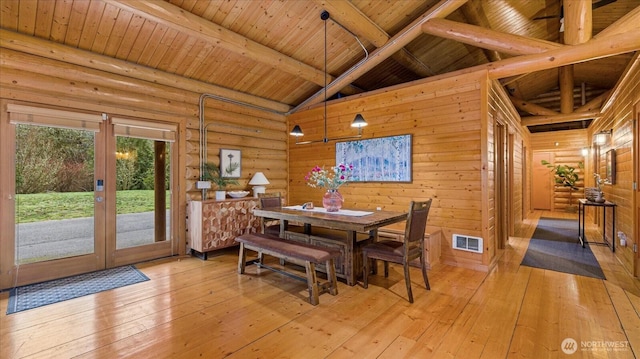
(585, 151)
(258, 181)
(602, 137)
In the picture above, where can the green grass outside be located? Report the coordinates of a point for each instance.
(51, 206)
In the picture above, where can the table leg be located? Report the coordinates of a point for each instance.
(581, 215)
(604, 226)
(351, 266)
(613, 226)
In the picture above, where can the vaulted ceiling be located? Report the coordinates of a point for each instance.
(275, 50)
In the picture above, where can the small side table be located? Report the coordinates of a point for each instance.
(582, 203)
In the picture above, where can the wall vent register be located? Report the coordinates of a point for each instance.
(467, 243)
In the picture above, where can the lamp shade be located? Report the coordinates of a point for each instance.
(259, 179)
(359, 121)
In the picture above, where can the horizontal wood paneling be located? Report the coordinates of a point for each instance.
(445, 120)
(619, 116)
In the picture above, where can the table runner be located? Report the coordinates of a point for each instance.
(344, 212)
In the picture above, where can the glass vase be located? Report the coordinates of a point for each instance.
(332, 200)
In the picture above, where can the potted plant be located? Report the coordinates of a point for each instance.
(212, 173)
(566, 176)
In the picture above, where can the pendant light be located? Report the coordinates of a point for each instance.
(358, 122)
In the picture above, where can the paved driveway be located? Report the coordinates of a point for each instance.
(70, 237)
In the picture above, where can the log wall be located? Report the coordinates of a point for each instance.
(447, 119)
(52, 82)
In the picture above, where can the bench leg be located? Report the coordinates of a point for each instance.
(312, 283)
(331, 276)
(242, 257)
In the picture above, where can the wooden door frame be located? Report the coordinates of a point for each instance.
(510, 172)
(500, 184)
(12, 274)
(635, 200)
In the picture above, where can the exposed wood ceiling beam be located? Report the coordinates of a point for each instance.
(532, 108)
(578, 28)
(55, 51)
(176, 18)
(562, 118)
(352, 18)
(578, 25)
(487, 38)
(397, 42)
(595, 103)
(592, 50)
(475, 15)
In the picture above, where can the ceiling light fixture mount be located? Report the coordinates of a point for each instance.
(358, 122)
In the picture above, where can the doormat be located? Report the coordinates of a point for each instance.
(58, 290)
(555, 246)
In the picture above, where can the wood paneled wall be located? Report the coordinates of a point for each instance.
(447, 119)
(619, 116)
(566, 148)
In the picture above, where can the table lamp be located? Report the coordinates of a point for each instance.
(258, 182)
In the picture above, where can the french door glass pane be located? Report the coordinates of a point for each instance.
(54, 170)
(142, 191)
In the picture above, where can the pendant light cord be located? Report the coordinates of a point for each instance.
(325, 81)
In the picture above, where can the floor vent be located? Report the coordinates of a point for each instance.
(467, 243)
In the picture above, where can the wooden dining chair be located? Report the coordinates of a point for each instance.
(270, 200)
(404, 252)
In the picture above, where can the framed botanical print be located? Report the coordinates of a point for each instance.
(230, 163)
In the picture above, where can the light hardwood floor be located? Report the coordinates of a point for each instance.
(204, 309)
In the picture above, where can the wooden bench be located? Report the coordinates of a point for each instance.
(298, 253)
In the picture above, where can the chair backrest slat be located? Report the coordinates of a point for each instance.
(416, 222)
(270, 200)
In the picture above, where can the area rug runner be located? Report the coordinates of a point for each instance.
(58, 290)
(555, 246)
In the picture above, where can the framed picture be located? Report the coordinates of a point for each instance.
(611, 167)
(230, 163)
(383, 159)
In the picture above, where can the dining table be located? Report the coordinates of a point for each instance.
(351, 223)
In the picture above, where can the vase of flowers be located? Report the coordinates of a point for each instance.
(332, 200)
(330, 179)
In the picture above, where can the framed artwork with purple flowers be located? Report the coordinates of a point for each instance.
(382, 159)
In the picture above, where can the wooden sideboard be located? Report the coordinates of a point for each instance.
(215, 224)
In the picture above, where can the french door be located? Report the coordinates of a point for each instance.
(90, 192)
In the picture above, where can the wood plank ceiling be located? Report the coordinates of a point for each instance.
(275, 50)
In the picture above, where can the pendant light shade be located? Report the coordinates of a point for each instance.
(359, 121)
(297, 131)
